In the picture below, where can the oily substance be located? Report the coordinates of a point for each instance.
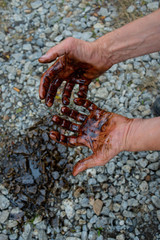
(73, 72)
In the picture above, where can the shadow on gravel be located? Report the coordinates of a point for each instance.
(35, 169)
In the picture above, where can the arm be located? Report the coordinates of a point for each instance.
(81, 62)
(143, 135)
(137, 38)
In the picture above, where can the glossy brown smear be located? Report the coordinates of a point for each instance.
(99, 131)
(71, 71)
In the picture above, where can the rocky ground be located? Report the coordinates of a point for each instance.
(39, 197)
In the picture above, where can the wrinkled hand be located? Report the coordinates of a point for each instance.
(79, 62)
(105, 133)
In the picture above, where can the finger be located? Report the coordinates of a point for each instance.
(73, 114)
(83, 89)
(52, 91)
(85, 103)
(49, 75)
(67, 92)
(66, 124)
(86, 163)
(69, 141)
(57, 51)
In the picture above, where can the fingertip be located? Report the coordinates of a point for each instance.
(64, 109)
(42, 59)
(54, 135)
(79, 101)
(65, 101)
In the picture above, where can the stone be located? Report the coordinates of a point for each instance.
(110, 167)
(4, 202)
(98, 25)
(120, 237)
(42, 235)
(84, 235)
(58, 38)
(97, 206)
(158, 215)
(153, 166)
(11, 223)
(4, 216)
(144, 186)
(103, 12)
(27, 47)
(153, 5)
(36, 4)
(130, 9)
(69, 208)
(3, 237)
(155, 201)
(27, 234)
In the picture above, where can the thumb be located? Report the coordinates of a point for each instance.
(57, 51)
(89, 162)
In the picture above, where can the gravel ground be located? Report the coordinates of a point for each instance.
(39, 197)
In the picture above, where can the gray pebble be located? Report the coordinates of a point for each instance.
(156, 201)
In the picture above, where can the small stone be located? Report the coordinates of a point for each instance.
(144, 186)
(36, 4)
(4, 202)
(58, 38)
(78, 191)
(5, 117)
(84, 235)
(103, 12)
(11, 224)
(153, 5)
(131, 9)
(120, 237)
(4, 216)
(37, 220)
(3, 237)
(156, 201)
(126, 168)
(42, 235)
(27, 47)
(27, 231)
(158, 215)
(153, 166)
(69, 208)
(128, 214)
(110, 167)
(153, 157)
(97, 206)
(98, 25)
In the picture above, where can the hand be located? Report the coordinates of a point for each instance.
(79, 62)
(105, 133)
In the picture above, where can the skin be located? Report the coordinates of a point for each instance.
(101, 131)
(80, 62)
(105, 133)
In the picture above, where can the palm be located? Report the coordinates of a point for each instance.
(101, 131)
(79, 64)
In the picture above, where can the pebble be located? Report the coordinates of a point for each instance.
(4, 202)
(36, 4)
(156, 201)
(29, 29)
(130, 9)
(3, 237)
(110, 168)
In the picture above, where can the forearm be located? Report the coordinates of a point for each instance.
(137, 38)
(143, 135)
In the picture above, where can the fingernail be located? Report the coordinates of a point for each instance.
(42, 58)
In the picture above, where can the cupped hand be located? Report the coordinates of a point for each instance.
(79, 62)
(105, 133)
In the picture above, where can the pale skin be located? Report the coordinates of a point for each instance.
(137, 38)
